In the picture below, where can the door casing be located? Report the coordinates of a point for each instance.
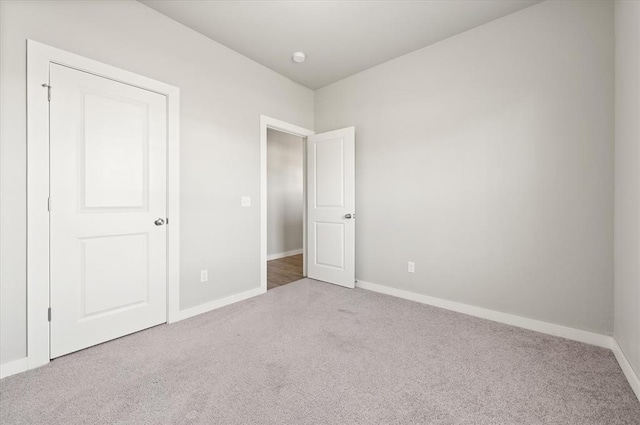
(39, 56)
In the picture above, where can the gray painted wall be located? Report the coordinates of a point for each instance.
(487, 159)
(284, 192)
(627, 194)
(222, 97)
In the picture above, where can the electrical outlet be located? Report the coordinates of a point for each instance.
(411, 267)
(245, 201)
(204, 275)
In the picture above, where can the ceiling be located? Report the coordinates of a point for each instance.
(340, 38)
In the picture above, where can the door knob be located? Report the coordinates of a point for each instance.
(348, 216)
(159, 222)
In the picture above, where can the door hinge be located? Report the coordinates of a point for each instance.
(49, 314)
(48, 91)
(49, 204)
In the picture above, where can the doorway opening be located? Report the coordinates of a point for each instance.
(328, 219)
(277, 244)
(285, 208)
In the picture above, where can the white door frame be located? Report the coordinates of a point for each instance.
(39, 56)
(274, 124)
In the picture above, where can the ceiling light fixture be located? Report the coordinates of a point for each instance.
(298, 57)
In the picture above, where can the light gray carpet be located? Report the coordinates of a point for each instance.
(314, 353)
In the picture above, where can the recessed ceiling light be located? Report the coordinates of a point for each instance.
(298, 57)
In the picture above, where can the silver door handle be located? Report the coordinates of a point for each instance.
(159, 222)
(348, 216)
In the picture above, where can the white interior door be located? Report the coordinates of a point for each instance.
(331, 207)
(107, 209)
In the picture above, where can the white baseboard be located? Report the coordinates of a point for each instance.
(496, 316)
(629, 372)
(212, 305)
(13, 367)
(284, 254)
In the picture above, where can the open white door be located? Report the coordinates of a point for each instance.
(108, 209)
(331, 207)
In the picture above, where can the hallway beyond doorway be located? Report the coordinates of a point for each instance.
(284, 270)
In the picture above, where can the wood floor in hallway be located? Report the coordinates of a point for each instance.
(284, 270)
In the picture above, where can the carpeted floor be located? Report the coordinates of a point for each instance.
(314, 353)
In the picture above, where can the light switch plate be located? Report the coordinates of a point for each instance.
(245, 201)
